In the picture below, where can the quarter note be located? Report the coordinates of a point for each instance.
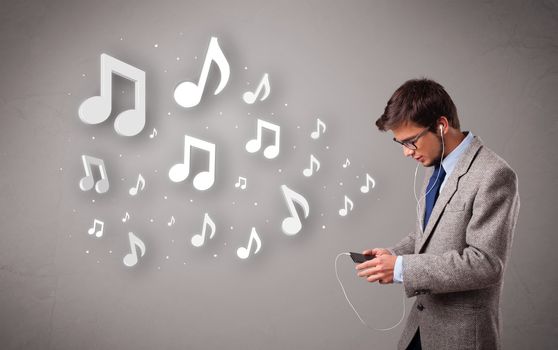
(87, 182)
(180, 171)
(344, 211)
(366, 187)
(319, 124)
(313, 162)
(126, 217)
(97, 109)
(188, 94)
(134, 190)
(292, 224)
(270, 151)
(131, 259)
(250, 97)
(198, 240)
(98, 232)
(243, 252)
(241, 183)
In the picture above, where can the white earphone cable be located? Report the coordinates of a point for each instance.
(356, 312)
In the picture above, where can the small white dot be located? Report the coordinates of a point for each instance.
(178, 58)
(70, 236)
(185, 263)
(120, 155)
(225, 244)
(357, 176)
(169, 113)
(164, 71)
(172, 241)
(87, 252)
(191, 201)
(327, 147)
(340, 184)
(92, 137)
(165, 197)
(92, 201)
(151, 220)
(69, 94)
(158, 267)
(248, 113)
(83, 75)
(98, 261)
(195, 57)
(325, 187)
(61, 169)
(156, 45)
(279, 170)
(233, 203)
(167, 257)
(267, 221)
(121, 39)
(255, 204)
(294, 147)
(232, 228)
(272, 113)
(214, 255)
(156, 171)
(323, 227)
(220, 113)
(298, 126)
(245, 68)
(207, 128)
(74, 210)
(236, 126)
(122, 179)
(322, 214)
(123, 91)
(286, 104)
(110, 251)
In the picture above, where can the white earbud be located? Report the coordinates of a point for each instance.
(441, 130)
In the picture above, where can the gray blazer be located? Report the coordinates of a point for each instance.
(455, 268)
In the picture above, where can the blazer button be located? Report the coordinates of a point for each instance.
(420, 307)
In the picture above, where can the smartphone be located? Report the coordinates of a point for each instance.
(360, 258)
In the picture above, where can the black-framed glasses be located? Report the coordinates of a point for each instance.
(410, 143)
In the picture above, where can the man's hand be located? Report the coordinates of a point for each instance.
(378, 269)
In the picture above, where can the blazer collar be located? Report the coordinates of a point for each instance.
(449, 189)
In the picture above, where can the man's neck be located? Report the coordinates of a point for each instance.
(452, 139)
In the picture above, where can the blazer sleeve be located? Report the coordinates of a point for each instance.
(405, 246)
(488, 237)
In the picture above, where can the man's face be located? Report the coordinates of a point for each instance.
(429, 147)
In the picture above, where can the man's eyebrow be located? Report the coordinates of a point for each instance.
(408, 138)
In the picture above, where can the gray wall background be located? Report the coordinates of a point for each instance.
(339, 61)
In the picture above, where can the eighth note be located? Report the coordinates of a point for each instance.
(292, 225)
(180, 171)
(344, 211)
(366, 188)
(250, 97)
(347, 163)
(172, 221)
(153, 134)
(188, 94)
(243, 252)
(126, 217)
(87, 182)
(198, 240)
(131, 259)
(93, 230)
(313, 161)
(241, 183)
(97, 109)
(270, 151)
(316, 134)
(134, 190)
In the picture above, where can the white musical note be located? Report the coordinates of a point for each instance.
(198, 240)
(180, 171)
(316, 134)
(344, 211)
(188, 94)
(98, 232)
(270, 151)
(243, 252)
(87, 182)
(126, 217)
(134, 190)
(347, 163)
(250, 97)
(97, 109)
(292, 225)
(172, 221)
(131, 259)
(153, 134)
(366, 187)
(241, 183)
(313, 161)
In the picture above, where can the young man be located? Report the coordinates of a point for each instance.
(454, 260)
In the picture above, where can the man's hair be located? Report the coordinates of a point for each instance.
(421, 101)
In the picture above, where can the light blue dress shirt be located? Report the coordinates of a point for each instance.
(448, 164)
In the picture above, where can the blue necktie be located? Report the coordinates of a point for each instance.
(432, 191)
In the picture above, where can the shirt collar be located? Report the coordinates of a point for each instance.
(450, 161)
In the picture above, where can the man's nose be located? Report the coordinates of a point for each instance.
(408, 152)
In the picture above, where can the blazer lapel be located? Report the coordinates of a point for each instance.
(449, 188)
